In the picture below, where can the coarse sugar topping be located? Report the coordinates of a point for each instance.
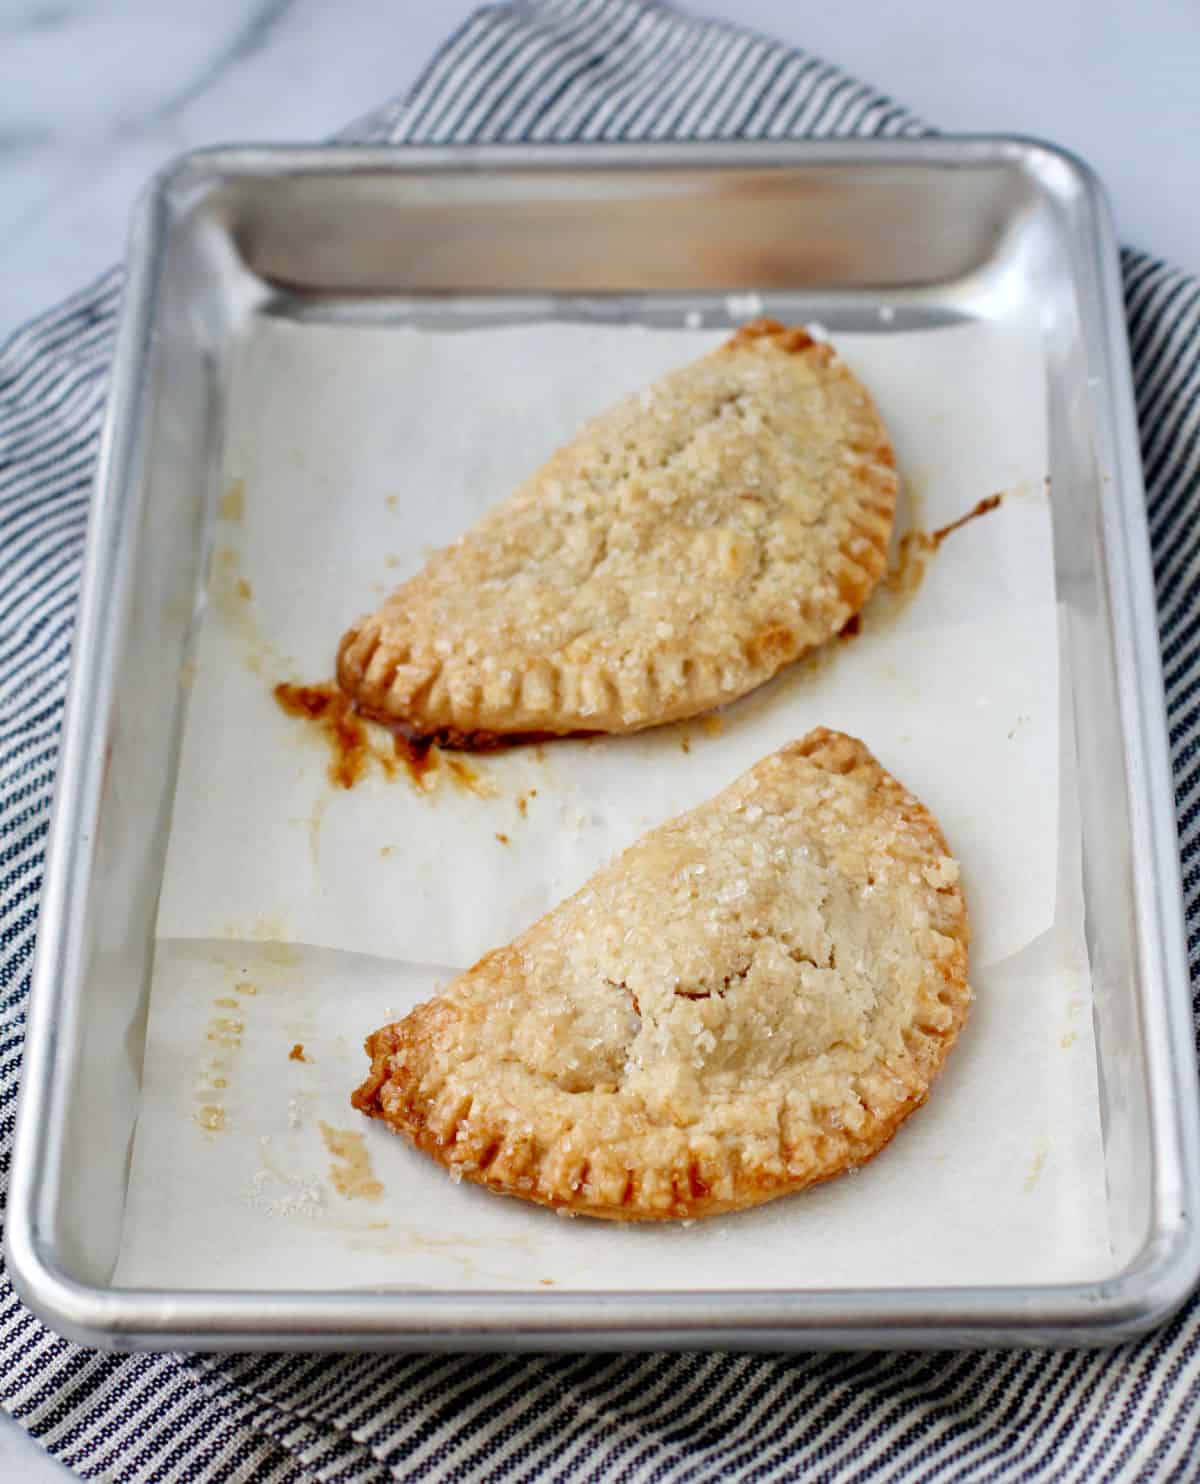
(749, 999)
(687, 543)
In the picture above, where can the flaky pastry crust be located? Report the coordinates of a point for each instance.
(687, 544)
(749, 1000)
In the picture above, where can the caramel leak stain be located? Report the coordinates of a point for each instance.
(243, 986)
(225, 1031)
(344, 731)
(685, 745)
(230, 595)
(712, 726)
(356, 742)
(297, 1052)
(523, 801)
(469, 779)
(502, 838)
(452, 739)
(981, 507)
(232, 503)
(311, 701)
(353, 1176)
(386, 850)
(907, 572)
(419, 758)
(210, 1079)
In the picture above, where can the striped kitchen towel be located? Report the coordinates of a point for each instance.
(558, 70)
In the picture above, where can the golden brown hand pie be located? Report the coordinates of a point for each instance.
(688, 543)
(751, 999)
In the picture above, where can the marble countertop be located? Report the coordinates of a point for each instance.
(95, 95)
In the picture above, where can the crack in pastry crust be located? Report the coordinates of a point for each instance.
(687, 544)
(749, 1000)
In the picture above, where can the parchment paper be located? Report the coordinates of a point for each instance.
(996, 1180)
(354, 452)
(350, 453)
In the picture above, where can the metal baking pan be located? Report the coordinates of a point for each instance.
(941, 230)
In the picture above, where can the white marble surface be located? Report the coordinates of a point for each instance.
(23, 1461)
(96, 94)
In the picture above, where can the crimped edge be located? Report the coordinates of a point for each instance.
(436, 1119)
(447, 703)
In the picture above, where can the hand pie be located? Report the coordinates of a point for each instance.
(751, 999)
(687, 544)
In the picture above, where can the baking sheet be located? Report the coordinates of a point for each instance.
(350, 452)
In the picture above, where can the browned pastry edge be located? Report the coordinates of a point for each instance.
(690, 1203)
(451, 739)
(709, 1181)
(369, 663)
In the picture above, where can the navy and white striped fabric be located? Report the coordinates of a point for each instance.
(568, 69)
